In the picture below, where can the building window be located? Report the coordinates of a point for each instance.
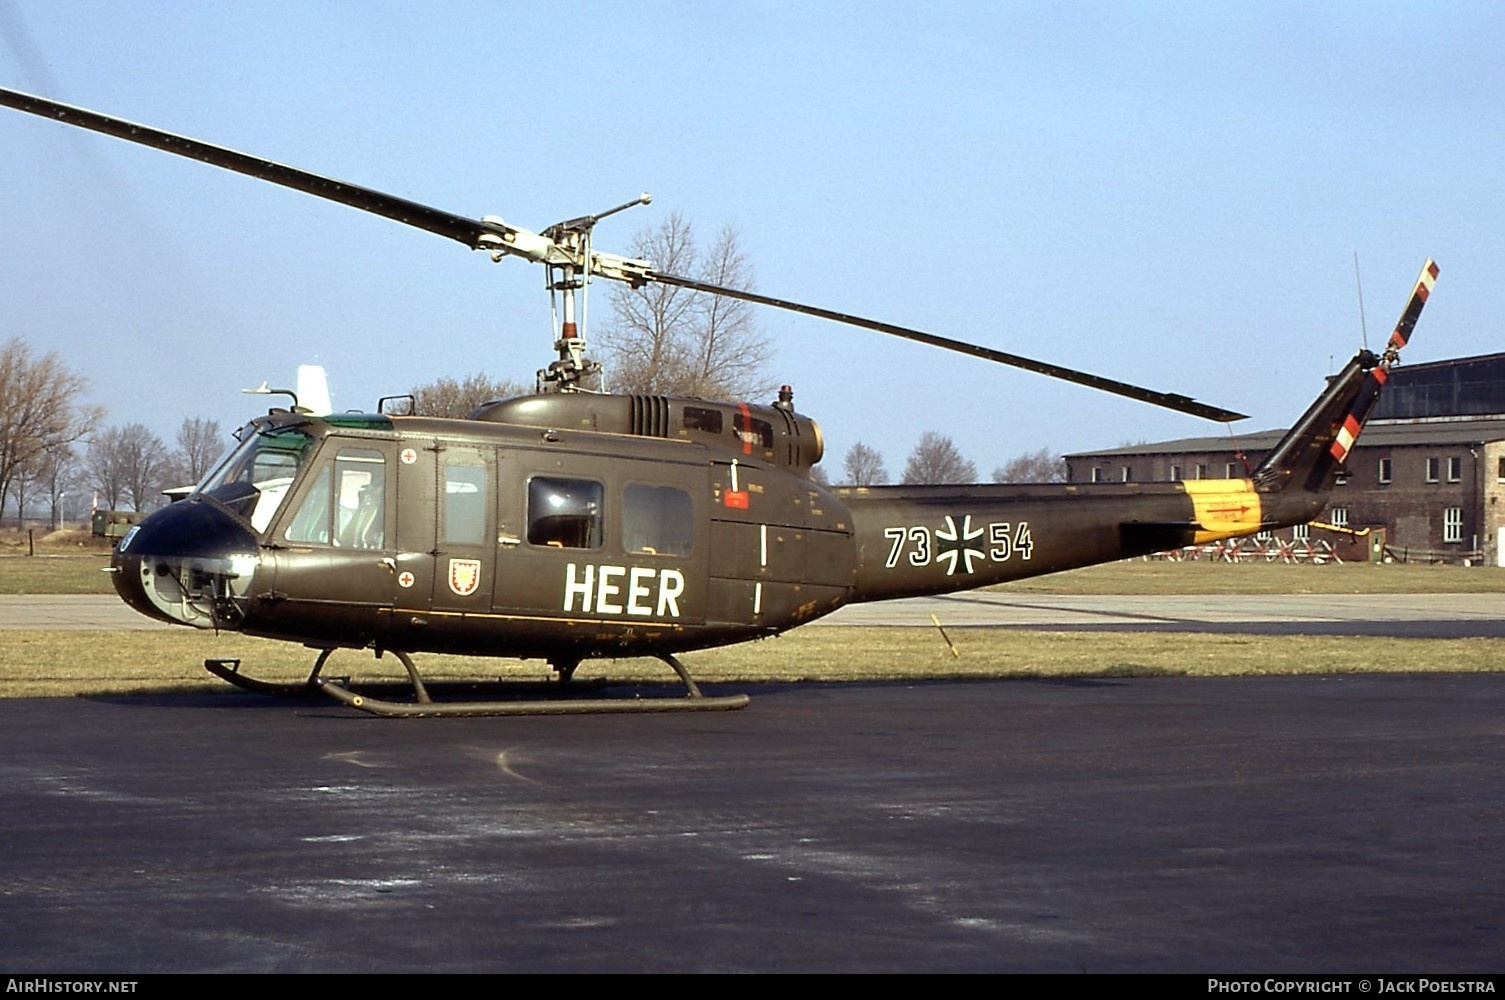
(1175, 473)
(1301, 532)
(1097, 475)
(1500, 472)
(1455, 468)
(1385, 470)
(1434, 467)
(1339, 516)
(1201, 470)
(1126, 473)
(1231, 470)
(1452, 524)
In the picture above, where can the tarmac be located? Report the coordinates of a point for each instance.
(1239, 825)
(1248, 825)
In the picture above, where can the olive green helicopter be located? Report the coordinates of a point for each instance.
(570, 524)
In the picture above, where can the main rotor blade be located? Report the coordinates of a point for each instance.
(456, 227)
(497, 237)
(1172, 401)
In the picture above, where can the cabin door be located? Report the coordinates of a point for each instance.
(446, 527)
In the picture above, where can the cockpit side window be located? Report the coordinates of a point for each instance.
(465, 503)
(345, 502)
(253, 477)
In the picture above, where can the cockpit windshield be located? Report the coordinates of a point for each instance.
(254, 476)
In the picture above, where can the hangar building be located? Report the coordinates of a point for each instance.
(1429, 468)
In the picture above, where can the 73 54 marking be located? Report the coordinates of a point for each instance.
(958, 545)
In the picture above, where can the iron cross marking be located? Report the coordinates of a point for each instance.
(954, 544)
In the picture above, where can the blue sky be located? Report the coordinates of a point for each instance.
(1170, 194)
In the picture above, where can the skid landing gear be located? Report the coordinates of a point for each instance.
(423, 705)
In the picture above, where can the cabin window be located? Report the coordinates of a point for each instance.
(564, 513)
(1455, 468)
(754, 431)
(465, 503)
(1452, 524)
(345, 504)
(1434, 466)
(657, 520)
(1385, 470)
(699, 418)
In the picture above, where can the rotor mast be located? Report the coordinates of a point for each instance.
(565, 251)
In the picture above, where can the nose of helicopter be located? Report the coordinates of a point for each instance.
(190, 563)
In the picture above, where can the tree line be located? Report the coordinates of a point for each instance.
(936, 460)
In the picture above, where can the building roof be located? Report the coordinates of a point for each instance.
(1440, 431)
(1472, 387)
(1456, 401)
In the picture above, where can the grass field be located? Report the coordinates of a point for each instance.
(34, 664)
(47, 664)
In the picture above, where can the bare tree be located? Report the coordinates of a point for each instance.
(25, 484)
(60, 475)
(199, 444)
(666, 339)
(447, 397)
(104, 468)
(936, 460)
(39, 410)
(46, 479)
(863, 466)
(128, 464)
(729, 357)
(1043, 466)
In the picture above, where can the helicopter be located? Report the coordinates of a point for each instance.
(570, 524)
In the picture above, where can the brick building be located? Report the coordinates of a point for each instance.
(1429, 468)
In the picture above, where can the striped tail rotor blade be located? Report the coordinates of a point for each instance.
(1369, 392)
(1423, 290)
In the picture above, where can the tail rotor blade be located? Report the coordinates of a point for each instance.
(1412, 312)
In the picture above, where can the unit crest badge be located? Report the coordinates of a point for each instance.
(464, 576)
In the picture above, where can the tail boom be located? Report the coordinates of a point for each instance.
(915, 540)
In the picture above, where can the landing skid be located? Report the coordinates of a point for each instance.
(425, 707)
